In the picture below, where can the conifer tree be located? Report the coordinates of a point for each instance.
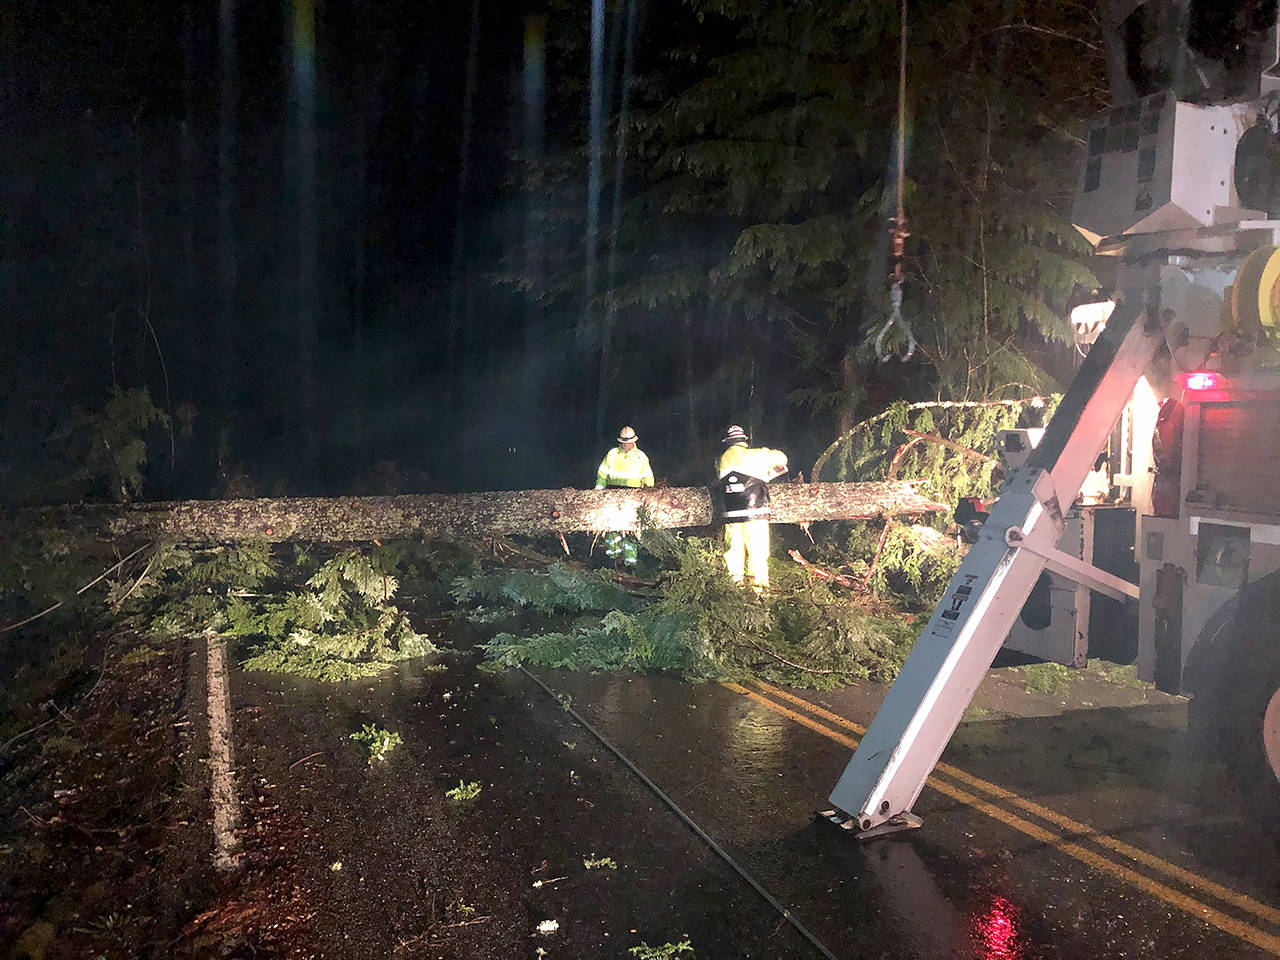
(752, 251)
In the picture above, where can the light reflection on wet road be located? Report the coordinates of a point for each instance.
(981, 880)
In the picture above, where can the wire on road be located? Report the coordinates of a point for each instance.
(719, 850)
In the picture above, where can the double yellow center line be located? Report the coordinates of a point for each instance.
(946, 779)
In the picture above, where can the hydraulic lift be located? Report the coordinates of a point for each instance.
(875, 793)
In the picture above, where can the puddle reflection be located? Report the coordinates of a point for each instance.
(996, 931)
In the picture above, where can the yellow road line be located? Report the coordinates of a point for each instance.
(1222, 921)
(1204, 884)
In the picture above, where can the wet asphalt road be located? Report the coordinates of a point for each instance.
(390, 867)
(1108, 844)
(1052, 833)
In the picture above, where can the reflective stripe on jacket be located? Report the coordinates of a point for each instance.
(622, 468)
(744, 474)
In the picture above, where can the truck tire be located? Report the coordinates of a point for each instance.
(1271, 733)
(1233, 675)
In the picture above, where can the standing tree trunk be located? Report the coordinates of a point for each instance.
(844, 420)
(228, 252)
(304, 107)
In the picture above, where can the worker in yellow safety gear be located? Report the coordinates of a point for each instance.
(744, 473)
(623, 466)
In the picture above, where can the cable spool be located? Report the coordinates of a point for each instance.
(1255, 295)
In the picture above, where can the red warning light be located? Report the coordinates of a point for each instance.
(1201, 380)
(996, 932)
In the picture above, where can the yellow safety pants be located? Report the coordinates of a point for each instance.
(746, 550)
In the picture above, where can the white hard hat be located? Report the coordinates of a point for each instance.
(735, 434)
(626, 435)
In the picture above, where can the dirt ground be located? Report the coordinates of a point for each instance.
(102, 849)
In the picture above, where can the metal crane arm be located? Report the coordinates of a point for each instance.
(908, 734)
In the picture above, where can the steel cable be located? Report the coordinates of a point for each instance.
(689, 822)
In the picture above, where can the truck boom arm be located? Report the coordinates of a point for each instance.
(925, 703)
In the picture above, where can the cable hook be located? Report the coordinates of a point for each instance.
(895, 316)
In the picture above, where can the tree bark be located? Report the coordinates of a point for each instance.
(465, 514)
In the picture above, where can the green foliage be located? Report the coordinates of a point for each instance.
(668, 951)
(866, 451)
(1122, 675)
(916, 562)
(139, 655)
(760, 174)
(342, 625)
(338, 623)
(246, 566)
(464, 791)
(559, 589)
(599, 863)
(704, 625)
(186, 591)
(379, 742)
(913, 562)
(601, 646)
(61, 747)
(1053, 678)
(112, 450)
(43, 565)
(459, 912)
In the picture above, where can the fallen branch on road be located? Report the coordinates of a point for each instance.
(820, 573)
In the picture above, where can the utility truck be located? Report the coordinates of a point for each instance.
(1152, 497)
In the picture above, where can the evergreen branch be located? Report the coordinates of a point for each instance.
(105, 573)
(145, 570)
(789, 663)
(922, 405)
(1059, 34)
(933, 438)
(747, 643)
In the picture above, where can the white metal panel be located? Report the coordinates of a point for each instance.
(1065, 639)
(1202, 600)
(1174, 541)
(1158, 165)
(1258, 532)
(1204, 155)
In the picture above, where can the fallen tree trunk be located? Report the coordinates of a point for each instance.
(465, 514)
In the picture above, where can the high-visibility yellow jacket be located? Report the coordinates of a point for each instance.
(624, 468)
(744, 473)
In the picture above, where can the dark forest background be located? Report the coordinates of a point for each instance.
(371, 247)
